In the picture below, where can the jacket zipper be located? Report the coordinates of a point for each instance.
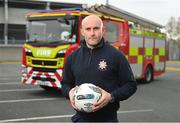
(90, 57)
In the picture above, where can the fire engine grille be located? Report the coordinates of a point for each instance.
(44, 63)
(52, 70)
(44, 79)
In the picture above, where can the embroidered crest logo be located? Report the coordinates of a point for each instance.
(102, 65)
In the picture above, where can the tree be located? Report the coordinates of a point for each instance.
(178, 31)
(171, 27)
(178, 27)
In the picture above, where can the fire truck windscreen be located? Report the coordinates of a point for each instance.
(57, 30)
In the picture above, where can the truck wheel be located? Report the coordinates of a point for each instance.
(148, 75)
(46, 87)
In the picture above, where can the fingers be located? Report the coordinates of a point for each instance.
(100, 104)
(72, 97)
(73, 105)
(105, 99)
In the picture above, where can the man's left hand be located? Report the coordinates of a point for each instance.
(105, 99)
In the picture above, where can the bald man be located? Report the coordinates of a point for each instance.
(115, 78)
(92, 30)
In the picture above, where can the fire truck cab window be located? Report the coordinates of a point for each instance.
(111, 31)
(52, 30)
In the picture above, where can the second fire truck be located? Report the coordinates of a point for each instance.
(53, 35)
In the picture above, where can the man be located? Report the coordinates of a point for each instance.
(98, 63)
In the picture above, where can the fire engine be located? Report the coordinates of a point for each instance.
(53, 35)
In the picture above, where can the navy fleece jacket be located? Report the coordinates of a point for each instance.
(103, 66)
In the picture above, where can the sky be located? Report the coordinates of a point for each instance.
(158, 11)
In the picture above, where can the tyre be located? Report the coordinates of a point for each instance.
(148, 74)
(46, 87)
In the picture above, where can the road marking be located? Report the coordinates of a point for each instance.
(173, 62)
(134, 111)
(10, 62)
(26, 100)
(10, 83)
(67, 116)
(172, 69)
(12, 90)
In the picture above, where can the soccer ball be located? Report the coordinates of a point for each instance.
(85, 96)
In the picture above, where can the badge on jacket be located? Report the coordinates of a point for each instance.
(102, 65)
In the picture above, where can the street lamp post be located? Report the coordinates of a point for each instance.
(6, 22)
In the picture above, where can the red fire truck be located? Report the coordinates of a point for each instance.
(53, 35)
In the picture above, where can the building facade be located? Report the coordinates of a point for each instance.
(12, 17)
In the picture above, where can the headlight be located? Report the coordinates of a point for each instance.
(28, 52)
(62, 52)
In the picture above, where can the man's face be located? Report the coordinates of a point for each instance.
(92, 31)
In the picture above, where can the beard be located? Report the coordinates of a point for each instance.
(95, 41)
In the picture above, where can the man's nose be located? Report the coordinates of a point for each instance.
(92, 32)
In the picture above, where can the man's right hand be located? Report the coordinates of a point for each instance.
(71, 97)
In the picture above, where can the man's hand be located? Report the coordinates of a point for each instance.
(105, 99)
(71, 97)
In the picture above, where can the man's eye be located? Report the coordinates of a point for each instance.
(96, 28)
(88, 29)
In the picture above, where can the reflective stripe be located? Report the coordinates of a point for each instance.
(151, 34)
(156, 58)
(28, 78)
(133, 51)
(162, 51)
(46, 14)
(148, 51)
(140, 59)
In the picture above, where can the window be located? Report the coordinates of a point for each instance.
(16, 34)
(1, 34)
(112, 31)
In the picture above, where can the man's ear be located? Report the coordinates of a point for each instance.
(82, 32)
(103, 30)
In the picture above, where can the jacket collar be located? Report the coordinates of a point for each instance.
(99, 45)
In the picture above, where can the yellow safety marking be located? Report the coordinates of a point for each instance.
(47, 14)
(156, 58)
(45, 52)
(162, 51)
(148, 51)
(76, 14)
(101, 15)
(140, 59)
(133, 51)
(60, 62)
(143, 33)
